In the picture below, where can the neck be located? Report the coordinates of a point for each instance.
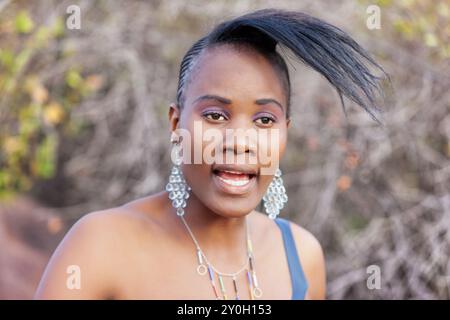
(219, 237)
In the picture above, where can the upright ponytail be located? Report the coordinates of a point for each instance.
(322, 46)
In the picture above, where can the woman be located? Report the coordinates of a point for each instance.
(202, 237)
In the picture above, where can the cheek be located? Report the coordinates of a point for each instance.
(263, 184)
(282, 142)
(271, 146)
(198, 163)
(282, 150)
(193, 130)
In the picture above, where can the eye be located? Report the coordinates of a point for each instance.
(266, 120)
(215, 116)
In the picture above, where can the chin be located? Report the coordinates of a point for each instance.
(233, 207)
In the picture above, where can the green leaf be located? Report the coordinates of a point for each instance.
(58, 27)
(21, 60)
(45, 157)
(42, 36)
(23, 22)
(7, 58)
(73, 79)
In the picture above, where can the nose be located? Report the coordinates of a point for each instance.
(240, 139)
(236, 144)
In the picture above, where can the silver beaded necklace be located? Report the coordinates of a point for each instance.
(204, 267)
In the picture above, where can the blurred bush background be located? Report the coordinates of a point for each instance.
(83, 127)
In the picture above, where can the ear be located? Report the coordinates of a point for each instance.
(174, 116)
(288, 122)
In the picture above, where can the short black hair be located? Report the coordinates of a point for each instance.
(318, 44)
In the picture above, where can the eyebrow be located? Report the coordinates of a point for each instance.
(228, 101)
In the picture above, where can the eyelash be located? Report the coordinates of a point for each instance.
(206, 114)
(272, 119)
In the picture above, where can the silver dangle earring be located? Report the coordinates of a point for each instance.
(275, 197)
(177, 187)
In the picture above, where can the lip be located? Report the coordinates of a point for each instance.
(234, 190)
(236, 168)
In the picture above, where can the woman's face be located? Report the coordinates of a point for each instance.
(229, 90)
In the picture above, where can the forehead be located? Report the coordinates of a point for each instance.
(238, 73)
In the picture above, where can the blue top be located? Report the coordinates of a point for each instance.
(298, 279)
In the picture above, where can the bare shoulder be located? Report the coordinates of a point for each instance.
(312, 259)
(84, 263)
(103, 228)
(309, 251)
(306, 241)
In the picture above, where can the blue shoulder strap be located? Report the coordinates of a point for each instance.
(298, 279)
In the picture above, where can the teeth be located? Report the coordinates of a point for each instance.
(235, 172)
(235, 183)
